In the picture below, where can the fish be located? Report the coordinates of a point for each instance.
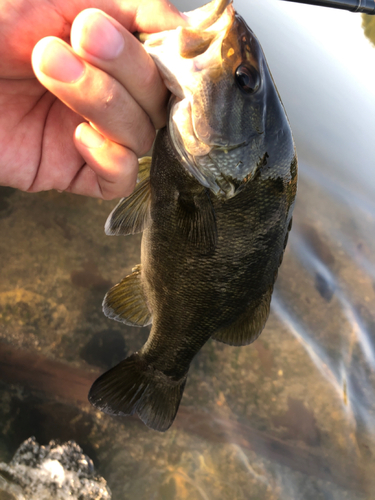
(214, 203)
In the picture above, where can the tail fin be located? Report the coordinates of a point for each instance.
(132, 386)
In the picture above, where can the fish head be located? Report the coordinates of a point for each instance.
(225, 114)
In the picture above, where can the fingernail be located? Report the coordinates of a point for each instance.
(89, 137)
(59, 63)
(95, 34)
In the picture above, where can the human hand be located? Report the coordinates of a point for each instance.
(44, 141)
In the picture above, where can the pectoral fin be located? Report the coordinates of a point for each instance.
(126, 302)
(196, 218)
(131, 215)
(144, 167)
(249, 325)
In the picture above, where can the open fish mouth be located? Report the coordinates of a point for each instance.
(182, 54)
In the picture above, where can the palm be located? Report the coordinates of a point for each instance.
(37, 148)
(36, 129)
(36, 137)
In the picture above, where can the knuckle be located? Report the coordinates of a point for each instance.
(122, 119)
(149, 79)
(107, 194)
(108, 101)
(147, 141)
(112, 191)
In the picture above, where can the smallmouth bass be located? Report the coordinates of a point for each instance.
(215, 206)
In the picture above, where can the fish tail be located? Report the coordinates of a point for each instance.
(132, 387)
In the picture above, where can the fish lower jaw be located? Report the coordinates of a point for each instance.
(221, 182)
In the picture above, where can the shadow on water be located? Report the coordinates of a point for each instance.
(288, 417)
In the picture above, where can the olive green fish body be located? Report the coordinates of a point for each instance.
(194, 292)
(215, 207)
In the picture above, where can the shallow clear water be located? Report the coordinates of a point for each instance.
(291, 416)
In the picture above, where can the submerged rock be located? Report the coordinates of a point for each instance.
(55, 471)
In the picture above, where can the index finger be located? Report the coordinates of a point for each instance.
(106, 44)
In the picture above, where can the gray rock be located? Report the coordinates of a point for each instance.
(56, 471)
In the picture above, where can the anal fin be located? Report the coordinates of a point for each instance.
(126, 302)
(247, 328)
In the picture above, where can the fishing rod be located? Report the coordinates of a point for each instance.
(364, 6)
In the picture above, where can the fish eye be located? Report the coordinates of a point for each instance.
(247, 78)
